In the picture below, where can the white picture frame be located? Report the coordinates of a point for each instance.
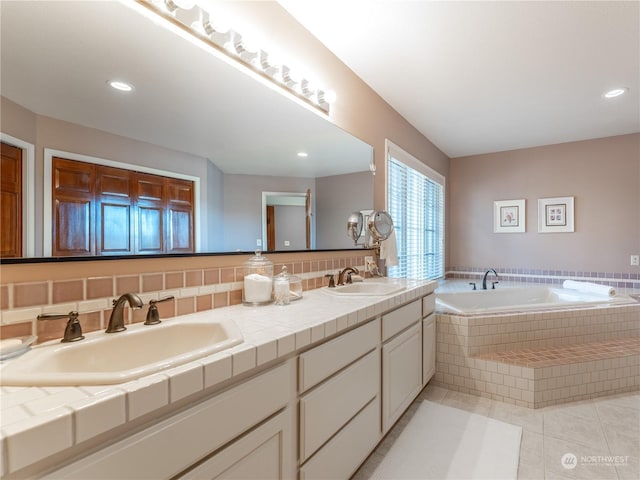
(556, 215)
(509, 216)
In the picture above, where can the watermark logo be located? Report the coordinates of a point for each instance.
(569, 461)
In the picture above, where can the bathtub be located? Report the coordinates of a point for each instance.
(505, 300)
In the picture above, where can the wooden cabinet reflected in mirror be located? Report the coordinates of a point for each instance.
(101, 210)
(11, 202)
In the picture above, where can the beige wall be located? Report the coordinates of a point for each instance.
(604, 177)
(17, 121)
(358, 109)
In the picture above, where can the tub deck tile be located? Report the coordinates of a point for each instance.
(547, 357)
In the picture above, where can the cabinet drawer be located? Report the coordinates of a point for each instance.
(323, 361)
(168, 447)
(329, 407)
(398, 320)
(344, 453)
(401, 374)
(428, 305)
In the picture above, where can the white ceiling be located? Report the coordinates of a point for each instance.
(479, 77)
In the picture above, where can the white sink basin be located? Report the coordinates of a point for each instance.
(366, 288)
(108, 358)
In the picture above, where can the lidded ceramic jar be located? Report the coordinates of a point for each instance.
(258, 280)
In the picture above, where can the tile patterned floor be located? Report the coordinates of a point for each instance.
(599, 432)
(548, 357)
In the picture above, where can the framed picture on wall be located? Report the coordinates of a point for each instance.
(555, 215)
(509, 216)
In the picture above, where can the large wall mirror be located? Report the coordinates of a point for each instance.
(191, 114)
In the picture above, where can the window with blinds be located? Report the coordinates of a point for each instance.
(415, 200)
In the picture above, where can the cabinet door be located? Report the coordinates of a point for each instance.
(401, 374)
(73, 190)
(11, 201)
(428, 348)
(262, 454)
(150, 199)
(180, 208)
(113, 211)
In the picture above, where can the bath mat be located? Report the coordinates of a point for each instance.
(444, 442)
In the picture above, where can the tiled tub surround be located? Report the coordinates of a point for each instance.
(536, 359)
(195, 289)
(85, 417)
(548, 277)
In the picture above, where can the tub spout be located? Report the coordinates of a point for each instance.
(484, 278)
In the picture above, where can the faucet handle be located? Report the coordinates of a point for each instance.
(332, 282)
(493, 285)
(474, 285)
(153, 316)
(73, 330)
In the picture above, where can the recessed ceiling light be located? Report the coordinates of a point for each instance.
(616, 92)
(303, 154)
(122, 86)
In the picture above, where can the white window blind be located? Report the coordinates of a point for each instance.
(415, 200)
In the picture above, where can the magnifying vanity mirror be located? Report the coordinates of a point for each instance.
(190, 115)
(379, 227)
(354, 226)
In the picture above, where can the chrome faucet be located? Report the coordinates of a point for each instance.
(116, 320)
(348, 271)
(484, 278)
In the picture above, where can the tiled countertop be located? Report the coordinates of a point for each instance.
(37, 422)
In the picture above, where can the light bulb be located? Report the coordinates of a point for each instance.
(214, 24)
(330, 96)
(184, 4)
(172, 5)
(120, 85)
(616, 92)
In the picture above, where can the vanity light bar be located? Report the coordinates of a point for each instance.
(201, 24)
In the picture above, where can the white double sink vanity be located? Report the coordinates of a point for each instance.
(309, 393)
